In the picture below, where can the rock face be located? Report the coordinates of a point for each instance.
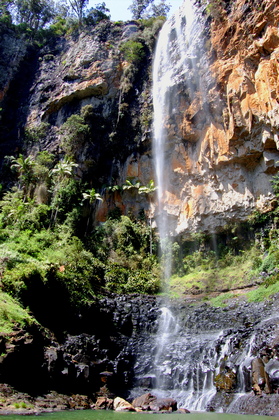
(222, 131)
(76, 71)
(118, 348)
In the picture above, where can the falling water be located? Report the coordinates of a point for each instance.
(190, 349)
(175, 46)
(174, 58)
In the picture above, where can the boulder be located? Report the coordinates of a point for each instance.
(144, 401)
(103, 403)
(183, 410)
(163, 404)
(226, 378)
(272, 369)
(150, 402)
(260, 379)
(119, 404)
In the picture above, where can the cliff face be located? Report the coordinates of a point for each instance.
(85, 68)
(222, 135)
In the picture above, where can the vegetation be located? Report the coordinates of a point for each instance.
(50, 247)
(40, 20)
(145, 9)
(11, 314)
(49, 244)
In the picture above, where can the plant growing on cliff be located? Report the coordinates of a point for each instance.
(34, 134)
(214, 8)
(91, 196)
(61, 173)
(74, 132)
(149, 190)
(97, 14)
(133, 51)
(12, 314)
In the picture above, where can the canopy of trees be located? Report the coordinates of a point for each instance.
(147, 8)
(38, 14)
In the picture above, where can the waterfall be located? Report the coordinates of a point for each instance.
(175, 59)
(190, 353)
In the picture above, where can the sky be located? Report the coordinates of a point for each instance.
(119, 8)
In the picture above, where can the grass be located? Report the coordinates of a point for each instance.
(11, 314)
(219, 278)
(262, 292)
(222, 299)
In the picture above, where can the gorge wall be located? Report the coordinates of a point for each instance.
(215, 359)
(223, 122)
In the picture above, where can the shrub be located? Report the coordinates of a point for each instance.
(133, 51)
(74, 132)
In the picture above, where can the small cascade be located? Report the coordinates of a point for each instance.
(195, 352)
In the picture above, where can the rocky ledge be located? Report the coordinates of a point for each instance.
(14, 402)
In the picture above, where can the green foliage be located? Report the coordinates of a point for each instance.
(12, 314)
(133, 51)
(147, 9)
(97, 14)
(222, 300)
(275, 184)
(123, 245)
(214, 8)
(74, 133)
(35, 134)
(58, 27)
(263, 292)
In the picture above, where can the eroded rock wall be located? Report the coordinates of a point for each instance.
(224, 133)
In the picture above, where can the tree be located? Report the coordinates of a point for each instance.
(146, 9)
(96, 14)
(35, 13)
(5, 7)
(138, 8)
(91, 196)
(74, 132)
(161, 9)
(24, 168)
(78, 7)
(62, 171)
(149, 189)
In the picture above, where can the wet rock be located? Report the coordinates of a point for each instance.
(260, 379)
(150, 402)
(183, 410)
(226, 379)
(272, 369)
(267, 405)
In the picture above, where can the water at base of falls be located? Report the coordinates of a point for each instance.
(183, 365)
